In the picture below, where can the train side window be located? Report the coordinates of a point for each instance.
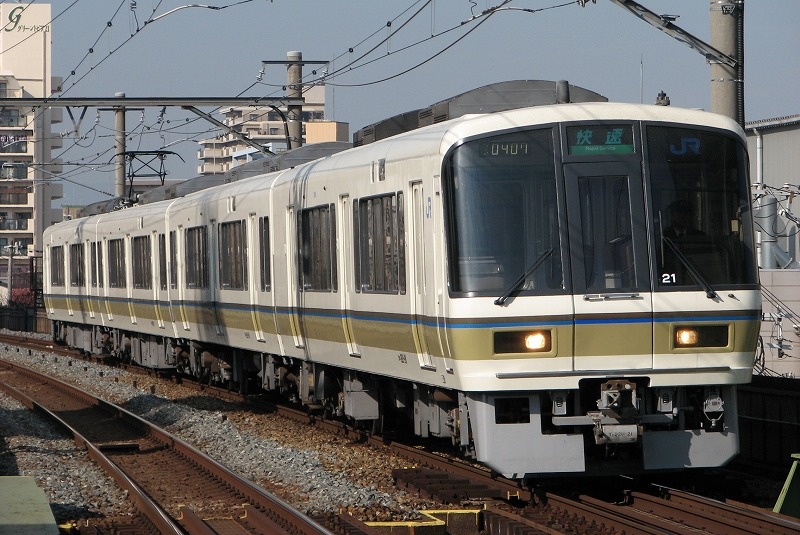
(318, 248)
(162, 261)
(57, 266)
(197, 257)
(100, 264)
(116, 263)
(77, 269)
(356, 247)
(380, 244)
(232, 256)
(173, 260)
(142, 263)
(93, 262)
(263, 240)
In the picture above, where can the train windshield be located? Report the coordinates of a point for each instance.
(701, 209)
(504, 218)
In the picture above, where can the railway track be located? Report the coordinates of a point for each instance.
(176, 488)
(514, 510)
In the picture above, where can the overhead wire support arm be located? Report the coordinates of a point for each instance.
(230, 130)
(664, 23)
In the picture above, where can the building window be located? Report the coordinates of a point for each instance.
(10, 117)
(142, 263)
(232, 256)
(273, 131)
(197, 257)
(10, 195)
(76, 265)
(263, 240)
(116, 263)
(254, 117)
(378, 225)
(318, 248)
(57, 266)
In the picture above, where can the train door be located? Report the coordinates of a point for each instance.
(181, 239)
(255, 244)
(420, 209)
(610, 267)
(87, 290)
(292, 275)
(345, 262)
(157, 252)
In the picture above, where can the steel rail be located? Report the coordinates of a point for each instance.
(147, 506)
(294, 521)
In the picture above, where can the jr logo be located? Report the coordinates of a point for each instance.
(13, 18)
(687, 143)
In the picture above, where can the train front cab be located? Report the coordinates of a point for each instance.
(618, 338)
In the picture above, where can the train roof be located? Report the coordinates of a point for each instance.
(436, 140)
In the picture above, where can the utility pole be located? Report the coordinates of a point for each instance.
(119, 148)
(727, 36)
(294, 89)
(725, 54)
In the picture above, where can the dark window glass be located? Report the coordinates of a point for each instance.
(142, 263)
(502, 215)
(173, 259)
(116, 263)
(318, 248)
(380, 244)
(162, 261)
(13, 195)
(607, 233)
(93, 263)
(77, 269)
(197, 257)
(232, 256)
(263, 241)
(100, 271)
(57, 266)
(701, 204)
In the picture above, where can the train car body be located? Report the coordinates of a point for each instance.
(516, 281)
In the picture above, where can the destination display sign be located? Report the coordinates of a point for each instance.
(604, 139)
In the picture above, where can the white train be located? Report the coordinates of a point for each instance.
(563, 288)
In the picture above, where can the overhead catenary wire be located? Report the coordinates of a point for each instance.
(328, 77)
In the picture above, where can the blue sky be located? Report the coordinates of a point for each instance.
(205, 52)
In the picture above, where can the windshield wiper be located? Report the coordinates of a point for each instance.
(691, 268)
(502, 299)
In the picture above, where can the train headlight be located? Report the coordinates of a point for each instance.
(523, 342)
(686, 337)
(536, 341)
(691, 336)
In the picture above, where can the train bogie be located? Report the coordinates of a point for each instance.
(509, 282)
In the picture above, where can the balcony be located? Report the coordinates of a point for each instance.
(15, 143)
(6, 92)
(209, 154)
(13, 195)
(14, 121)
(14, 170)
(13, 224)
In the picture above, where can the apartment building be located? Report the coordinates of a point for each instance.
(27, 170)
(265, 126)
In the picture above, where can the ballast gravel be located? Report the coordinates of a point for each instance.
(312, 470)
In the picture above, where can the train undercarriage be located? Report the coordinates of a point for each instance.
(606, 426)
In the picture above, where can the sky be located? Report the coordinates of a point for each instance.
(196, 51)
